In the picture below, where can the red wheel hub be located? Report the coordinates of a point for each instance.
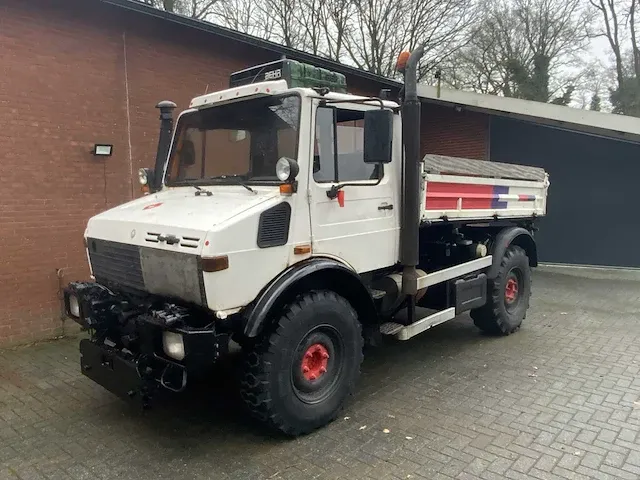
(314, 362)
(511, 290)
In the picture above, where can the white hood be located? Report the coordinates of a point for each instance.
(177, 212)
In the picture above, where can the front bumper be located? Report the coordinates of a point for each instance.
(120, 376)
(125, 353)
(135, 380)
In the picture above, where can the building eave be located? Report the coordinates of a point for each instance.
(586, 121)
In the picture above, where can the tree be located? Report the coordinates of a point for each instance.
(379, 29)
(611, 12)
(593, 80)
(333, 18)
(618, 26)
(200, 9)
(243, 16)
(519, 47)
(625, 99)
(368, 34)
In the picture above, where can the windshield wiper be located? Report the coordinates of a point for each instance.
(202, 191)
(237, 178)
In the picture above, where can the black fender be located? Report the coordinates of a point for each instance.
(315, 273)
(512, 236)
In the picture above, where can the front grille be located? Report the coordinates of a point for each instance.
(116, 263)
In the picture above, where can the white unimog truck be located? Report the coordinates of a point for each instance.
(298, 221)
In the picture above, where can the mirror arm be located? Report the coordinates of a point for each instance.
(332, 193)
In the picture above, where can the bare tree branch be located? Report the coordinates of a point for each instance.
(520, 47)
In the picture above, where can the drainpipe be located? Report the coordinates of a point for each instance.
(409, 250)
(164, 142)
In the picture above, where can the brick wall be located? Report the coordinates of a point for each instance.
(63, 88)
(80, 72)
(446, 131)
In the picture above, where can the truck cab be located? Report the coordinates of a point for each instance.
(295, 219)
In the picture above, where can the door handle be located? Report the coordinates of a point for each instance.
(385, 207)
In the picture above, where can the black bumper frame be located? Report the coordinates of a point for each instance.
(125, 352)
(120, 376)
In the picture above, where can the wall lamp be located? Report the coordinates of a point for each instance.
(102, 150)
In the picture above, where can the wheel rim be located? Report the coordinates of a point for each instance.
(314, 362)
(512, 289)
(317, 365)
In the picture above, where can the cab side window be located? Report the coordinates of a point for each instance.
(339, 147)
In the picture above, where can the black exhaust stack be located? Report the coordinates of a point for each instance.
(164, 142)
(409, 242)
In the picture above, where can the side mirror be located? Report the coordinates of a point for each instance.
(187, 153)
(378, 136)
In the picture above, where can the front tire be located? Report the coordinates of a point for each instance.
(508, 295)
(298, 376)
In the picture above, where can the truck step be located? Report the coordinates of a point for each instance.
(390, 328)
(376, 294)
(405, 332)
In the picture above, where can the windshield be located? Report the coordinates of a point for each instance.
(240, 141)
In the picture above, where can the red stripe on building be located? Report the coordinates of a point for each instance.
(444, 196)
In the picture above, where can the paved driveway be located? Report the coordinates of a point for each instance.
(558, 400)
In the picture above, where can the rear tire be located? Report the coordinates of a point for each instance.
(299, 374)
(508, 295)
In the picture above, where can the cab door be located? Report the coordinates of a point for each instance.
(361, 225)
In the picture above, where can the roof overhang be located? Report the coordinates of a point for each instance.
(585, 121)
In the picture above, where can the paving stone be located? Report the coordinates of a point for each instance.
(468, 402)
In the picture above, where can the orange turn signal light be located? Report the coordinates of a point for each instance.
(214, 264)
(401, 63)
(301, 249)
(144, 189)
(286, 189)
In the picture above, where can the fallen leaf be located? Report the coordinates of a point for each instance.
(362, 427)
(386, 430)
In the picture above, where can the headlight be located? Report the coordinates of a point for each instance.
(173, 345)
(286, 169)
(74, 306)
(143, 176)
